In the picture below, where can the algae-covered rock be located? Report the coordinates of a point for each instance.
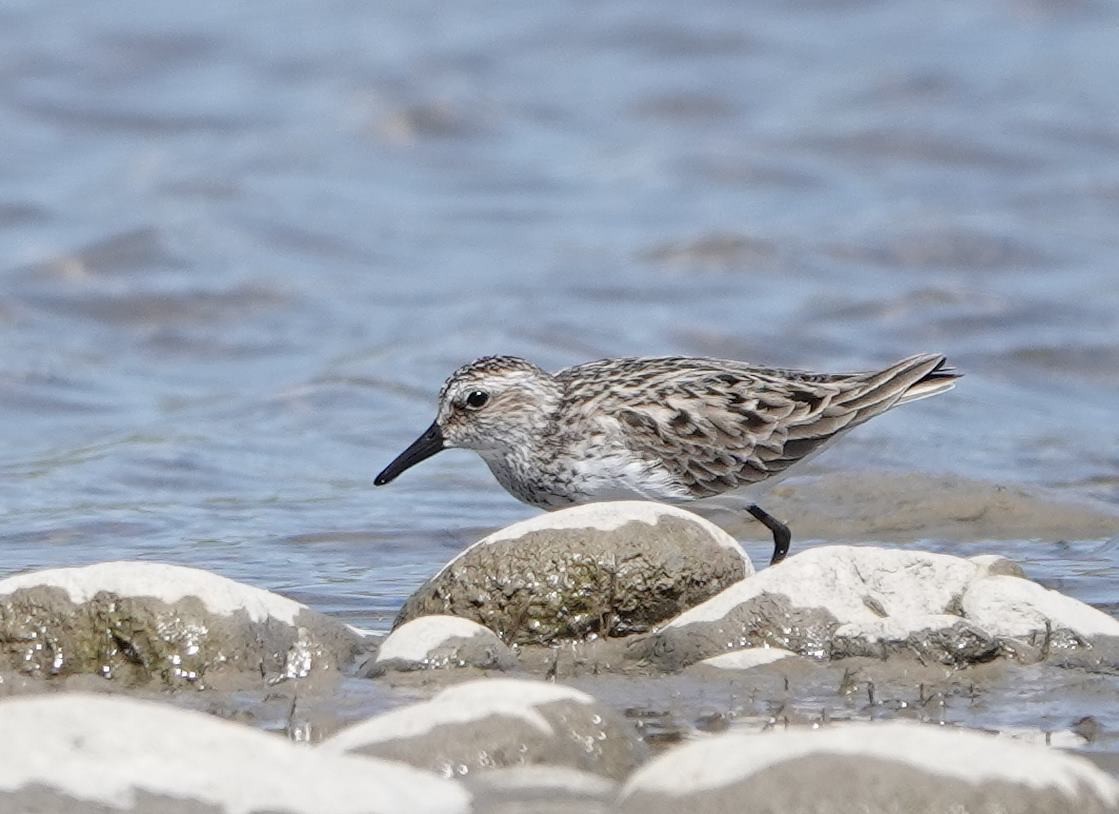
(141, 621)
(605, 568)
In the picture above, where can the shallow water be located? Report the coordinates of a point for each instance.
(241, 247)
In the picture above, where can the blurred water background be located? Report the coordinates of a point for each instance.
(242, 244)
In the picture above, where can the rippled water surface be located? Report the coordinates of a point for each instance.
(242, 245)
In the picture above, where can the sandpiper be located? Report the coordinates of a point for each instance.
(672, 429)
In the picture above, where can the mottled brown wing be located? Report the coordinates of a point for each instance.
(717, 436)
(721, 428)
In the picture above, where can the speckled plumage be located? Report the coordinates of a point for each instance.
(673, 429)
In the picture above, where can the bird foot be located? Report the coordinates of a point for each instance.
(781, 534)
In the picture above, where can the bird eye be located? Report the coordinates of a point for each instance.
(476, 399)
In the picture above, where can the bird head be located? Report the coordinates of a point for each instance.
(491, 405)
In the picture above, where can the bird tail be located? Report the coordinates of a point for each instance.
(910, 379)
(940, 378)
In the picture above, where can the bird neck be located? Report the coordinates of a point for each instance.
(524, 464)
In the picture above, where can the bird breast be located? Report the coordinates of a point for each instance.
(583, 471)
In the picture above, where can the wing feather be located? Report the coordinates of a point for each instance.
(716, 425)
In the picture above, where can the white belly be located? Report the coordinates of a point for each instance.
(622, 477)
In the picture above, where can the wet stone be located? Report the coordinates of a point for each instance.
(997, 565)
(95, 754)
(140, 622)
(837, 602)
(1020, 609)
(748, 658)
(542, 790)
(497, 723)
(876, 768)
(439, 643)
(1101, 658)
(765, 620)
(939, 638)
(610, 569)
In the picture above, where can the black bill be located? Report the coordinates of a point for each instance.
(420, 450)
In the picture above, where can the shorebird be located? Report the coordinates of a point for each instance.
(671, 429)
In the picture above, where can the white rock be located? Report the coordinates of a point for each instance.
(894, 629)
(106, 749)
(414, 642)
(839, 601)
(367, 633)
(562, 778)
(1018, 608)
(884, 593)
(496, 690)
(168, 583)
(965, 756)
(463, 703)
(551, 789)
(492, 724)
(747, 658)
(607, 516)
(850, 582)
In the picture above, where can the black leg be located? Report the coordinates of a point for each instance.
(781, 534)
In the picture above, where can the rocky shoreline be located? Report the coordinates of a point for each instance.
(615, 657)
